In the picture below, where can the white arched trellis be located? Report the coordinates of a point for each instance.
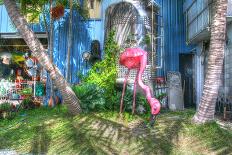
(136, 12)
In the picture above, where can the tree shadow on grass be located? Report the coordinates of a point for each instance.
(94, 135)
(160, 139)
(41, 140)
(10, 134)
(91, 135)
(217, 139)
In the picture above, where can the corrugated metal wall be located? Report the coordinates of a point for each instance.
(84, 32)
(174, 33)
(6, 26)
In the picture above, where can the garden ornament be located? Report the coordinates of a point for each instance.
(136, 58)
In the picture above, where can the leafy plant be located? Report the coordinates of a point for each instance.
(99, 86)
(161, 96)
(27, 103)
(6, 110)
(91, 97)
(5, 106)
(104, 73)
(128, 101)
(147, 39)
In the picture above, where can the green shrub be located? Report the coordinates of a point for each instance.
(27, 103)
(6, 110)
(5, 106)
(91, 97)
(128, 100)
(104, 73)
(161, 96)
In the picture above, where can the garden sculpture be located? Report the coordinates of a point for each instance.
(136, 58)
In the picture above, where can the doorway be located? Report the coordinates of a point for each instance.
(186, 68)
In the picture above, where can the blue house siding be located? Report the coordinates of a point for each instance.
(174, 33)
(84, 32)
(6, 26)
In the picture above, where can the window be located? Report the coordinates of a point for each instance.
(198, 18)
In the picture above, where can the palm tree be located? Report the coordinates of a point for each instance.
(207, 105)
(51, 46)
(39, 52)
(69, 43)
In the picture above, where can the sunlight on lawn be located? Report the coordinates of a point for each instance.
(53, 131)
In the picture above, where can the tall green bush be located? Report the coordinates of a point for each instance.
(104, 73)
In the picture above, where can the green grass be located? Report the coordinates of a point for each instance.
(53, 131)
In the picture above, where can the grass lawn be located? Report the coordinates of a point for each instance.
(53, 131)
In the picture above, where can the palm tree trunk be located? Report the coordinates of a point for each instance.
(69, 44)
(51, 47)
(207, 105)
(39, 52)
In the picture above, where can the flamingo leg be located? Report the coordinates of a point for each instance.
(123, 90)
(134, 97)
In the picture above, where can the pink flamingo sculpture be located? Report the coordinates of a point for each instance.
(136, 58)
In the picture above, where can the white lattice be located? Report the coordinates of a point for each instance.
(146, 77)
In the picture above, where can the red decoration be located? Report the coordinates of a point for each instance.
(18, 72)
(159, 80)
(57, 11)
(37, 78)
